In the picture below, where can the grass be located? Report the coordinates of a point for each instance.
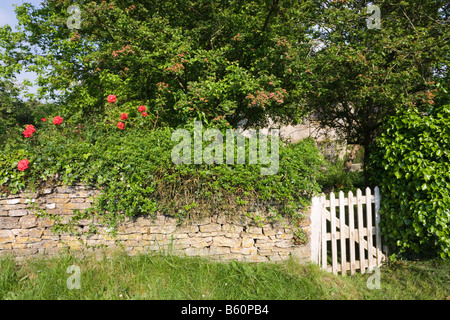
(167, 277)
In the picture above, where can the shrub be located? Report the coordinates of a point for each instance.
(134, 170)
(411, 165)
(335, 178)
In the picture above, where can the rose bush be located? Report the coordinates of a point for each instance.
(136, 180)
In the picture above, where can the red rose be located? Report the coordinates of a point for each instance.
(57, 120)
(121, 125)
(124, 116)
(27, 133)
(23, 165)
(144, 114)
(111, 98)
(31, 128)
(43, 119)
(142, 108)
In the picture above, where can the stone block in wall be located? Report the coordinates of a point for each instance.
(165, 229)
(284, 235)
(188, 229)
(211, 227)
(65, 189)
(284, 243)
(48, 235)
(6, 234)
(14, 207)
(245, 251)
(6, 237)
(11, 201)
(232, 230)
(264, 243)
(253, 235)
(180, 235)
(268, 230)
(247, 242)
(196, 242)
(45, 222)
(18, 213)
(191, 251)
(213, 250)
(9, 222)
(254, 230)
(265, 252)
(35, 233)
(226, 242)
(153, 236)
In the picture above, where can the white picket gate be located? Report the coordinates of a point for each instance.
(352, 237)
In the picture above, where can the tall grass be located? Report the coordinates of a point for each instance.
(164, 277)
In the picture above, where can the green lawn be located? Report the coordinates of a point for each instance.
(162, 277)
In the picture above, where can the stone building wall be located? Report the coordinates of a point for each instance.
(24, 234)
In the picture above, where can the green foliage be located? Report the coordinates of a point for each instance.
(134, 170)
(186, 59)
(334, 178)
(356, 76)
(411, 165)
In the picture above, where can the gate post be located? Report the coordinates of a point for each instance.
(316, 219)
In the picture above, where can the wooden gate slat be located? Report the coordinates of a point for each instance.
(370, 252)
(324, 234)
(342, 226)
(359, 201)
(333, 234)
(351, 226)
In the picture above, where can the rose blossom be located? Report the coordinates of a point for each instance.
(111, 98)
(142, 108)
(23, 165)
(121, 125)
(27, 133)
(57, 120)
(43, 119)
(124, 116)
(144, 114)
(30, 128)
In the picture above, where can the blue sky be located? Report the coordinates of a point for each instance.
(8, 16)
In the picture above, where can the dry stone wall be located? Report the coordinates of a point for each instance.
(24, 234)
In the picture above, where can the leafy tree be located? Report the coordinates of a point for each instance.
(213, 60)
(357, 76)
